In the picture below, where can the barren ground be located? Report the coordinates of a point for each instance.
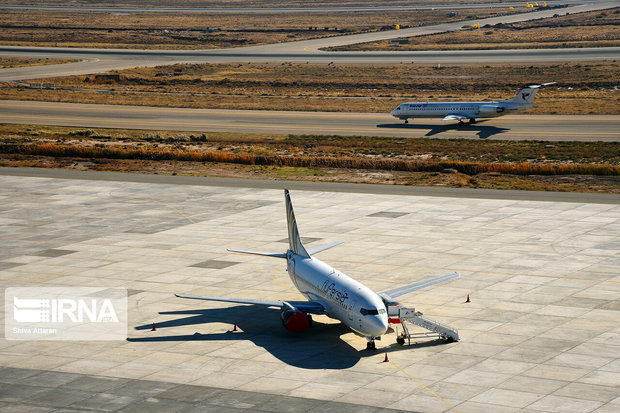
(11, 61)
(527, 165)
(592, 29)
(582, 88)
(141, 30)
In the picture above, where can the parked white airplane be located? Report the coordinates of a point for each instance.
(328, 291)
(468, 110)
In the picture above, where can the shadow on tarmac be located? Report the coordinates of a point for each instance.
(482, 131)
(319, 347)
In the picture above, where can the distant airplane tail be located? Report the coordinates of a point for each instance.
(527, 94)
(294, 240)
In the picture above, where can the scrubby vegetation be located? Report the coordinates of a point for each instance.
(454, 162)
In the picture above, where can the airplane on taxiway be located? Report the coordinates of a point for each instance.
(468, 110)
(328, 291)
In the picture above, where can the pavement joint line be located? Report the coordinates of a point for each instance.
(413, 378)
(331, 260)
(423, 386)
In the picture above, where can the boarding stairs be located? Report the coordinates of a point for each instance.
(402, 315)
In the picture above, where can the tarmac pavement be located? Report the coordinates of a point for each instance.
(540, 334)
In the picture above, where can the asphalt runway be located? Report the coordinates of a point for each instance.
(279, 10)
(101, 60)
(510, 127)
(540, 333)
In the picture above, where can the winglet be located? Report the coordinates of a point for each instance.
(294, 240)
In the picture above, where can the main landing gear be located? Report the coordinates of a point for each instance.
(406, 121)
(471, 122)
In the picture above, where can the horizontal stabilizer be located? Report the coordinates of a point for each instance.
(404, 289)
(320, 248)
(455, 117)
(541, 85)
(265, 254)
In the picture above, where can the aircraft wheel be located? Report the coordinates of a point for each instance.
(371, 345)
(400, 340)
(472, 121)
(309, 320)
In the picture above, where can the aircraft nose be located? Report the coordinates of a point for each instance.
(379, 326)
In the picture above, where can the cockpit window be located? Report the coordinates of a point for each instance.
(372, 311)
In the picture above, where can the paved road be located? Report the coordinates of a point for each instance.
(101, 60)
(519, 127)
(318, 186)
(270, 10)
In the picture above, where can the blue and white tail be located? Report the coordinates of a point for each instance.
(294, 240)
(527, 93)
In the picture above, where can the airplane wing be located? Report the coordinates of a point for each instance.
(304, 306)
(404, 289)
(455, 116)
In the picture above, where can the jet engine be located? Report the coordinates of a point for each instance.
(490, 110)
(295, 321)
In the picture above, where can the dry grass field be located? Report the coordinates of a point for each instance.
(582, 88)
(563, 166)
(11, 61)
(199, 30)
(593, 29)
(246, 3)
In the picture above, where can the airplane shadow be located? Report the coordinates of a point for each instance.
(319, 347)
(483, 131)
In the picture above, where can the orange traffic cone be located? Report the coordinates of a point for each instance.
(468, 300)
(386, 360)
(153, 329)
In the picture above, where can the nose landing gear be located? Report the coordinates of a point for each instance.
(370, 344)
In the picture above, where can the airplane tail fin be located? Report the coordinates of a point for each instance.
(294, 240)
(527, 93)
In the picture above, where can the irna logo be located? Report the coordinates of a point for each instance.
(61, 310)
(57, 313)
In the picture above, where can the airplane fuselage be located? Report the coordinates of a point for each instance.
(468, 110)
(344, 298)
